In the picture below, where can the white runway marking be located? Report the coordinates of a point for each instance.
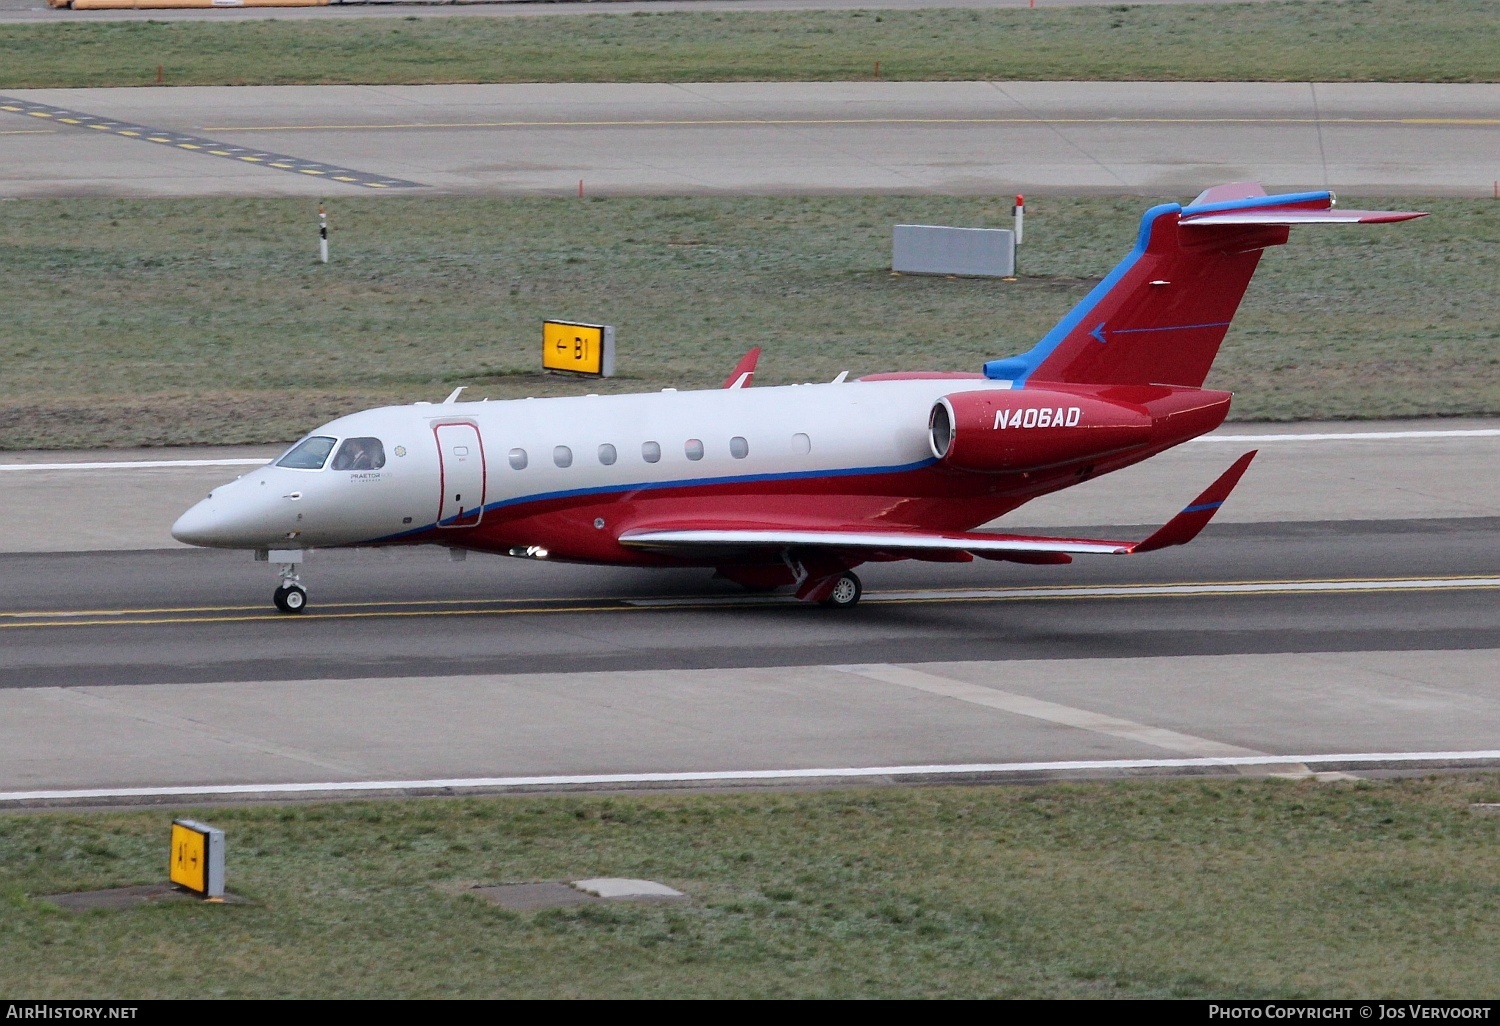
(966, 771)
(1052, 712)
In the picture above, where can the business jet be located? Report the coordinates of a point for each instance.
(796, 486)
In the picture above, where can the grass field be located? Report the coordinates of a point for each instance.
(169, 322)
(1173, 888)
(1348, 41)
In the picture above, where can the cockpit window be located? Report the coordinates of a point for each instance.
(360, 454)
(308, 454)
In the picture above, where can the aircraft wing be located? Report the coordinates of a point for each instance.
(700, 539)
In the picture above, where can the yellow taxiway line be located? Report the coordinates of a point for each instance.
(18, 620)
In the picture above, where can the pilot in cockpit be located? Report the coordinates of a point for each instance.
(360, 454)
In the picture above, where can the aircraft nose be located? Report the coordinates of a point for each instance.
(201, 525)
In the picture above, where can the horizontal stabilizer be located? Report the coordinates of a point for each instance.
(1289, 217)
(741, 540)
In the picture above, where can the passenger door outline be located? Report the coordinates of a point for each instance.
(460, 475)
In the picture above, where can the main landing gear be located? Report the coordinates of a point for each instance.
(846, 592)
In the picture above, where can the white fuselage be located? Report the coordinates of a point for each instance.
(501, 456)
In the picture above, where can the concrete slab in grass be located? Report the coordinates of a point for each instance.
(527, 897)
(614, 887)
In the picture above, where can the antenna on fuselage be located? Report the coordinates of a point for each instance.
(453, 395)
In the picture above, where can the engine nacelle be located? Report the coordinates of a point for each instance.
(999, 431)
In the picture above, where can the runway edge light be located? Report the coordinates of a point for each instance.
(196, 861)
(576, 348)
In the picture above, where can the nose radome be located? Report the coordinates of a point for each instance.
(200, 525)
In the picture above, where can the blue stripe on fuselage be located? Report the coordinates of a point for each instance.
(652, 486)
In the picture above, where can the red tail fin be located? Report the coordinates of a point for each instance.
(1159, 317)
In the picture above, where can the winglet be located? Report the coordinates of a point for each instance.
(1184, 527)
(744, 371)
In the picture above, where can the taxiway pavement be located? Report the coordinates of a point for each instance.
(141, 618)
(768, 138)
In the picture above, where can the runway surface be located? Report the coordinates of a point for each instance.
(954, 137)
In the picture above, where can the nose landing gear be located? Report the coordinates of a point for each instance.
(290, 596)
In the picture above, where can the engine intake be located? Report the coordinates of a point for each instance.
(1000, 431)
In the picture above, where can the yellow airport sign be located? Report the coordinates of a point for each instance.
(196, 862)
(578, 348)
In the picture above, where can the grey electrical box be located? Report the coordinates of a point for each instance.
(971, 252)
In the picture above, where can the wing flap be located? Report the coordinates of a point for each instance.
(698, 541)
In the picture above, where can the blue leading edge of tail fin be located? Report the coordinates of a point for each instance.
(1018, 368)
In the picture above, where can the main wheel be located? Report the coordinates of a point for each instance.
(290, 599)
(846, 592)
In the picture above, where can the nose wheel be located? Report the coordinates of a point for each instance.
(290, 598)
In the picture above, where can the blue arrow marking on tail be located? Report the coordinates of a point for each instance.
(1098, 333)
(1167, 327)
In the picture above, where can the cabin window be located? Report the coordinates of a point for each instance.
(694, 448)
(738, 447)
(607, 455)
(518, 459)
(801, 444)
(360, 454)
(562, 456)
(308, 454)
(651, 452)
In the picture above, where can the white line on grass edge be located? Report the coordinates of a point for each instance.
(958, 770)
